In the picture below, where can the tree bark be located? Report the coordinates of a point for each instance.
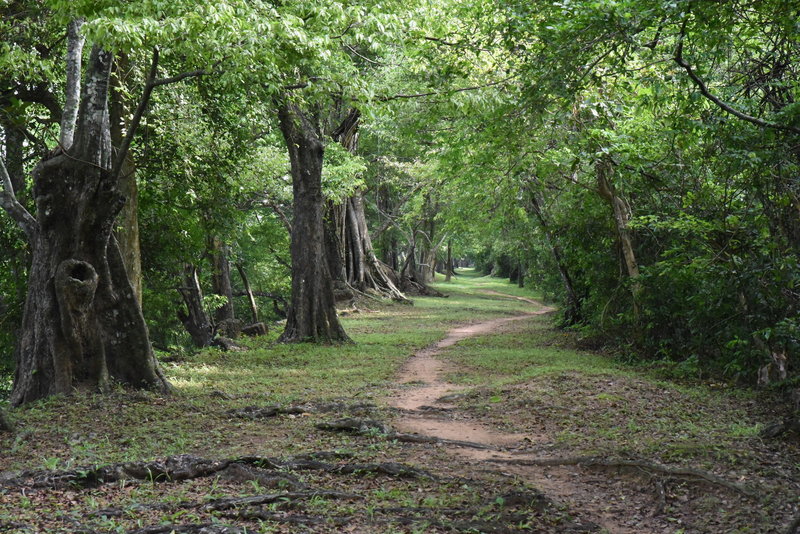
(15, 157)
(82, 324)
(249, 292)
(221, 279)
(572, 315)
(622, 217)
(449, 267)
(347, 234)
(195, 319)
(312, 312)
(127, 228)
(69, 117)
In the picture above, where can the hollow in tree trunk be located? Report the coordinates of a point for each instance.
(312, 312)
(82, 324)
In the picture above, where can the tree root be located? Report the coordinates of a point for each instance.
(789, 426)
(229, 503)
(414, 516)
(257, 500)
(265, 412)
(203, 528)
(186, 467)
(392, 469)
(695, 475)
(372, 427)
(416, 438)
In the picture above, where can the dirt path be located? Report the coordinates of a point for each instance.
(427, 409)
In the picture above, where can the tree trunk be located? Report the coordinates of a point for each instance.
(221, 279)
(312, 312)
(69, 117)
(82, 324)
(127, 228)
(622, 217)
(195, 319)
(449, 267)
(249, 292)
(15, 156)
(572, 315)
(347, 234)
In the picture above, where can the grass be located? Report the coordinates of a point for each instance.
(525, 377)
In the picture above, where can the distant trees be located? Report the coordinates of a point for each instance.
(635, 159)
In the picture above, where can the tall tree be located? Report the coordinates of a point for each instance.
(312, 312)
(82, 324)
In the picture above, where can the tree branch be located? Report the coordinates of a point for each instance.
(722, 105)
(137, 116)
(69, 117)
(448, 92)
(390, 217)
(150, 83)
(9, 202)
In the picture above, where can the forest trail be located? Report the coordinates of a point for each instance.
(426, 409)
(465, 414)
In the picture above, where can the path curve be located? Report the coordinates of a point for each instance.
(423, 387)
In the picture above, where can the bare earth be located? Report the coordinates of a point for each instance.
(426, 407)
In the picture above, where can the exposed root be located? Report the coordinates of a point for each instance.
(203, 528)
(642, 465)
(356, 426)
(376, 428)
(186, 467)
(416, 438)
(420, 516)
(293, 519)
(258, 500)
(230, 502)
(788, 427)
(387, 468)
(265, 412)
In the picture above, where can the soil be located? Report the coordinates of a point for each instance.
(567, 451)
(619, 503)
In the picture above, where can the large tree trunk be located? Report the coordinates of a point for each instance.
(312, 312)
(351, 255)
(127, 227)
(82, 324)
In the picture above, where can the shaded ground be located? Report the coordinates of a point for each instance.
(640, 455)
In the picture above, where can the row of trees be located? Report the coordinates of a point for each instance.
(636, 159)
(152, 162)
(649, 158)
